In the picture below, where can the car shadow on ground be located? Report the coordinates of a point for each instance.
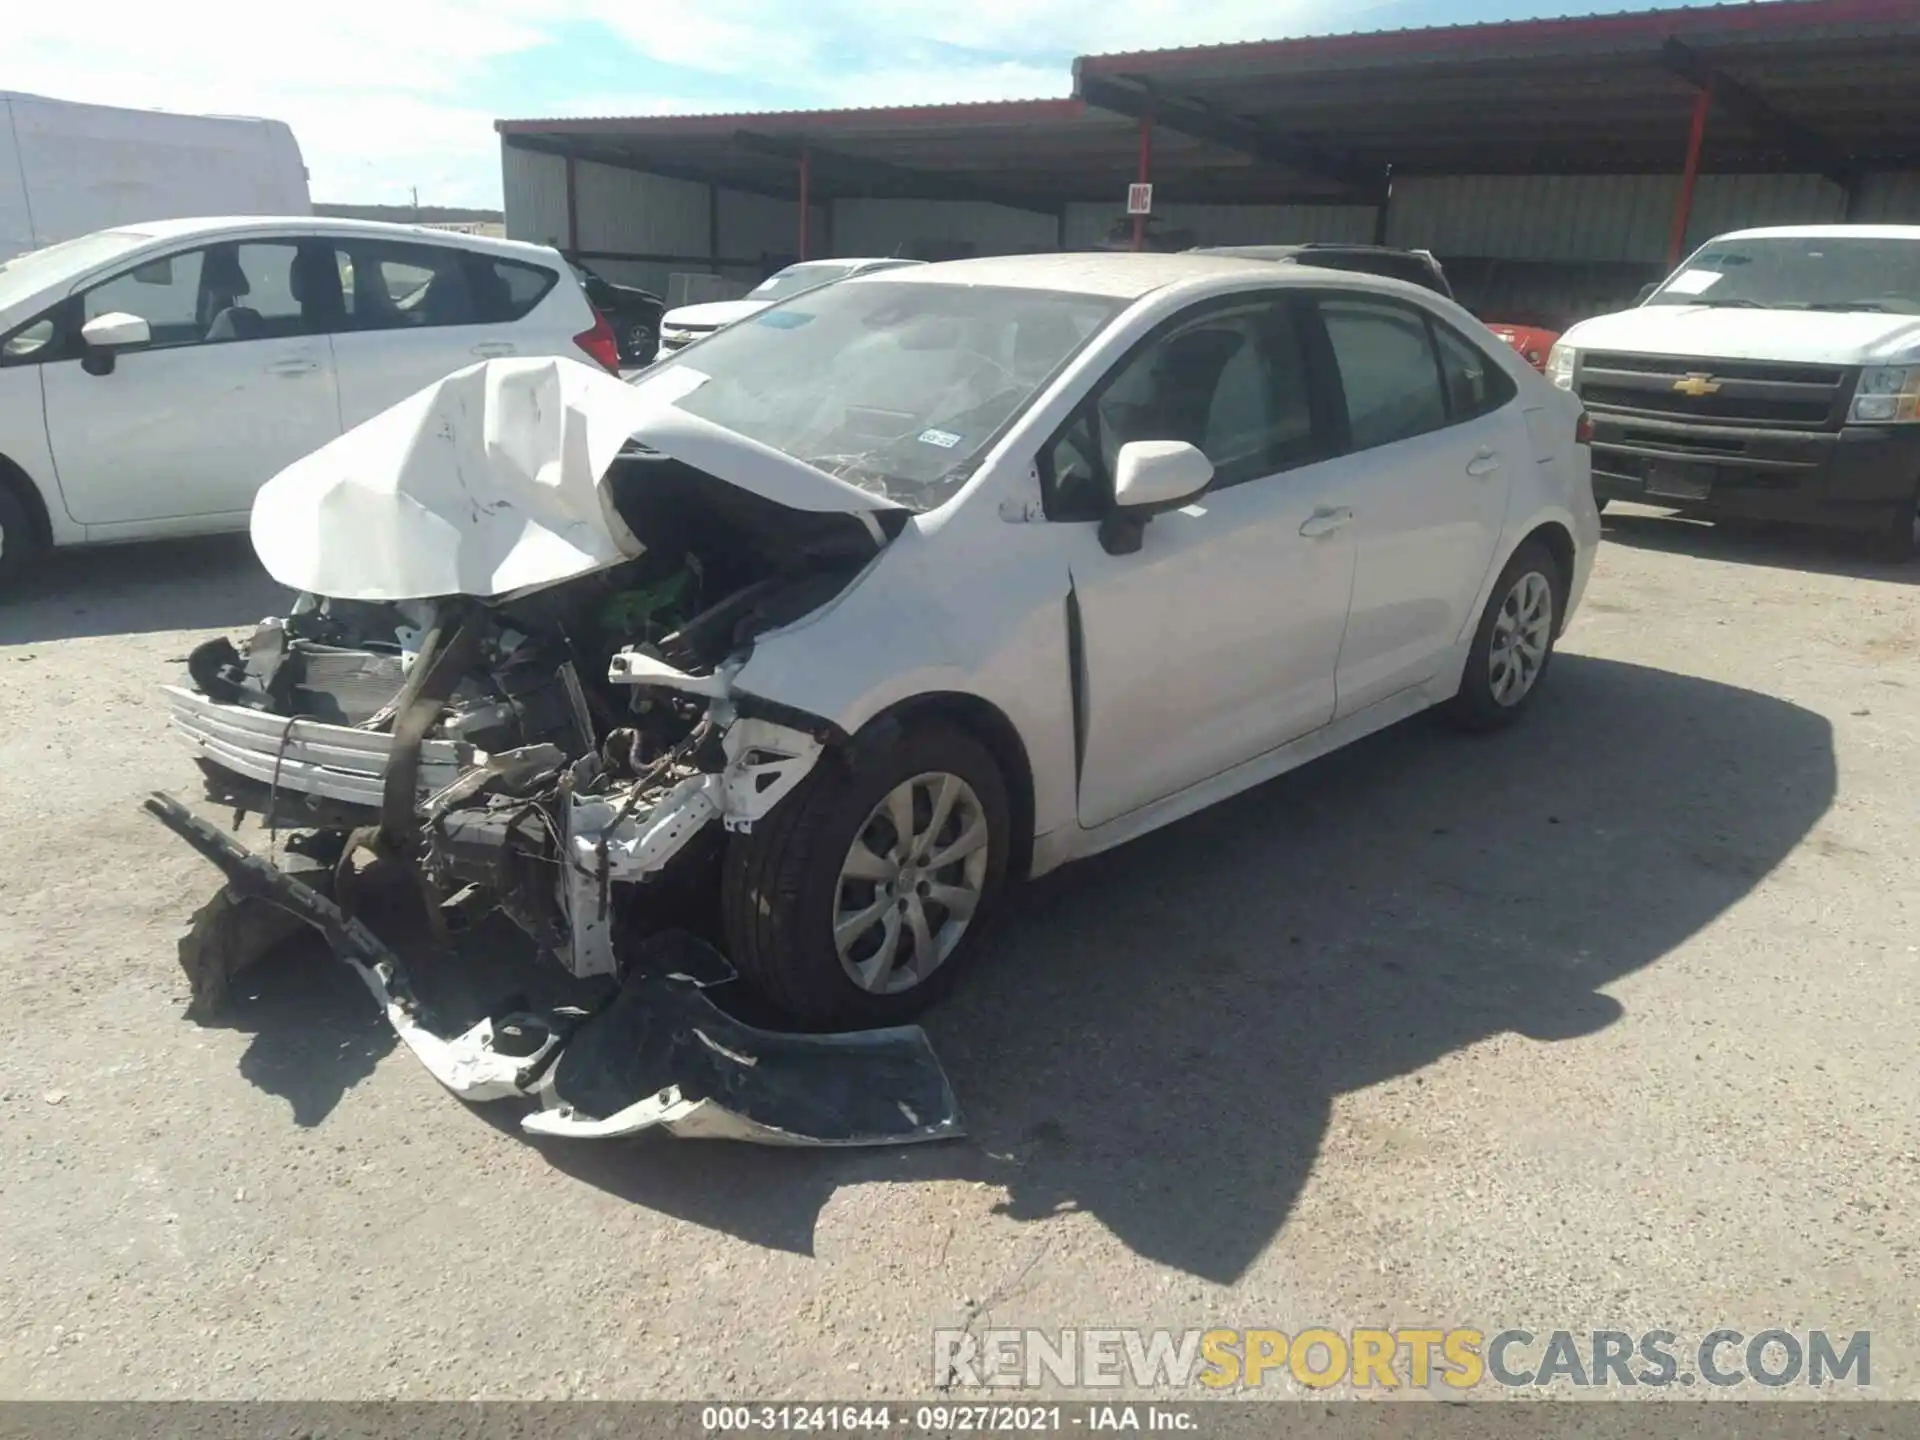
(211, 583)
(1157, 1035)
(1773, 547)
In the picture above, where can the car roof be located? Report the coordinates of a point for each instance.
(213, 226)
(1125, 275)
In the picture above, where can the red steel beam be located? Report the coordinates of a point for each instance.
(1690, 177)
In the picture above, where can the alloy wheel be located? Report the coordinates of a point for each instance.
(910, 883)
(1521, 635)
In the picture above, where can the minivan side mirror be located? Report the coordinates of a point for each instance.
(1646, 292)
(107, 335)
(1150, 476)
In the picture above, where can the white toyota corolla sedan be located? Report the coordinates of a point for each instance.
(884, 597)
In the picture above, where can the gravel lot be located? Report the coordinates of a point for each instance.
(1608, 1022)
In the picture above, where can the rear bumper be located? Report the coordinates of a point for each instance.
(1853, 478)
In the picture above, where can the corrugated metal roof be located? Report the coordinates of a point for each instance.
(1748, 15)
(1014, 111)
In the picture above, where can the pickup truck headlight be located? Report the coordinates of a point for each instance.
(1888, 395)
(1560, 362)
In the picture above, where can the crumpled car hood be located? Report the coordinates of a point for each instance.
(489, 482)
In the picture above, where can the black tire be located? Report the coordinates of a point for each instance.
(20, 547)
(1898, 539)
(782, 882)
(1476, 706)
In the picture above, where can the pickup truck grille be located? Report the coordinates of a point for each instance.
(1765, 393)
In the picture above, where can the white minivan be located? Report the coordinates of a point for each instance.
(153, 377)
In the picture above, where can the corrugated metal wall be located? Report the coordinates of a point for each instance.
(1592, 217)
(535, 189)
(1089, 224)
(1889, 199)
(938, 229)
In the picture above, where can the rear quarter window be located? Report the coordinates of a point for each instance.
(507, 290)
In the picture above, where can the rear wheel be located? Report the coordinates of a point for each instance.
(861, 898)
(1514, 644)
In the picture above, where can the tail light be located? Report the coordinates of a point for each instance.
(601, 344)
(1583, 429)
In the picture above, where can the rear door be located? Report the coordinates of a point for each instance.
(1433, 435)
(237, 384)
(414, 313)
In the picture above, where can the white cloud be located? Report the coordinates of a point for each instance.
(391, 96)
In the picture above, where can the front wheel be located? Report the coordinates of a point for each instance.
(859, 900)
(1514, 644)
(1899, 540)
(20, 547)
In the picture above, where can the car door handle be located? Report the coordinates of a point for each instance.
(1485, 463)
(293, 367)
(1326, 520)
(493, 349)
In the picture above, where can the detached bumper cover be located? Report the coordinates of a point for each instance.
(660, 1055)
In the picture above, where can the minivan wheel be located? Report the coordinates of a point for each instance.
(861, 898)
(1514, 644)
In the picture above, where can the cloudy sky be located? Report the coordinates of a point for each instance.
(397, 94)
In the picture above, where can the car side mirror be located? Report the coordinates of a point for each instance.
(1149, 477)
(107, 335)
(1646, 293)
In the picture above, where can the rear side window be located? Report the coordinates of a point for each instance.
(506, 290)
(1476, 384)
(1388, 370)
(384, 286)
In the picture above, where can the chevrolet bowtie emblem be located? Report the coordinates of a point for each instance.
(1697, 385)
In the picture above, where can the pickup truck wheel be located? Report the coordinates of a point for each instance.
(1900, 539)
(20, 545)
(1514, 644)
(861, 898)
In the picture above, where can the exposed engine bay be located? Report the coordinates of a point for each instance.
(564, 754)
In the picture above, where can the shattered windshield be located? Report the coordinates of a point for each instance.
(891, 386)
(1802, 272)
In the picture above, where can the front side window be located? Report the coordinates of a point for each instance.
(384, 286)
(219, 294)
(1232, 384)
(1387, 367)
(897, 388)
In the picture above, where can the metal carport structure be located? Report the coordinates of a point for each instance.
(1603, 140)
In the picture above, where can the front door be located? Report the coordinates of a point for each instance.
(1434, 434)
(1217, 641)
(236, 385)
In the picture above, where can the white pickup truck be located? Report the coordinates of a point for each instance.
(1774, 376)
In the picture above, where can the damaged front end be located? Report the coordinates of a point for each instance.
(569, 752)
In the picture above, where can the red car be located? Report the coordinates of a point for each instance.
(1533, 343)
